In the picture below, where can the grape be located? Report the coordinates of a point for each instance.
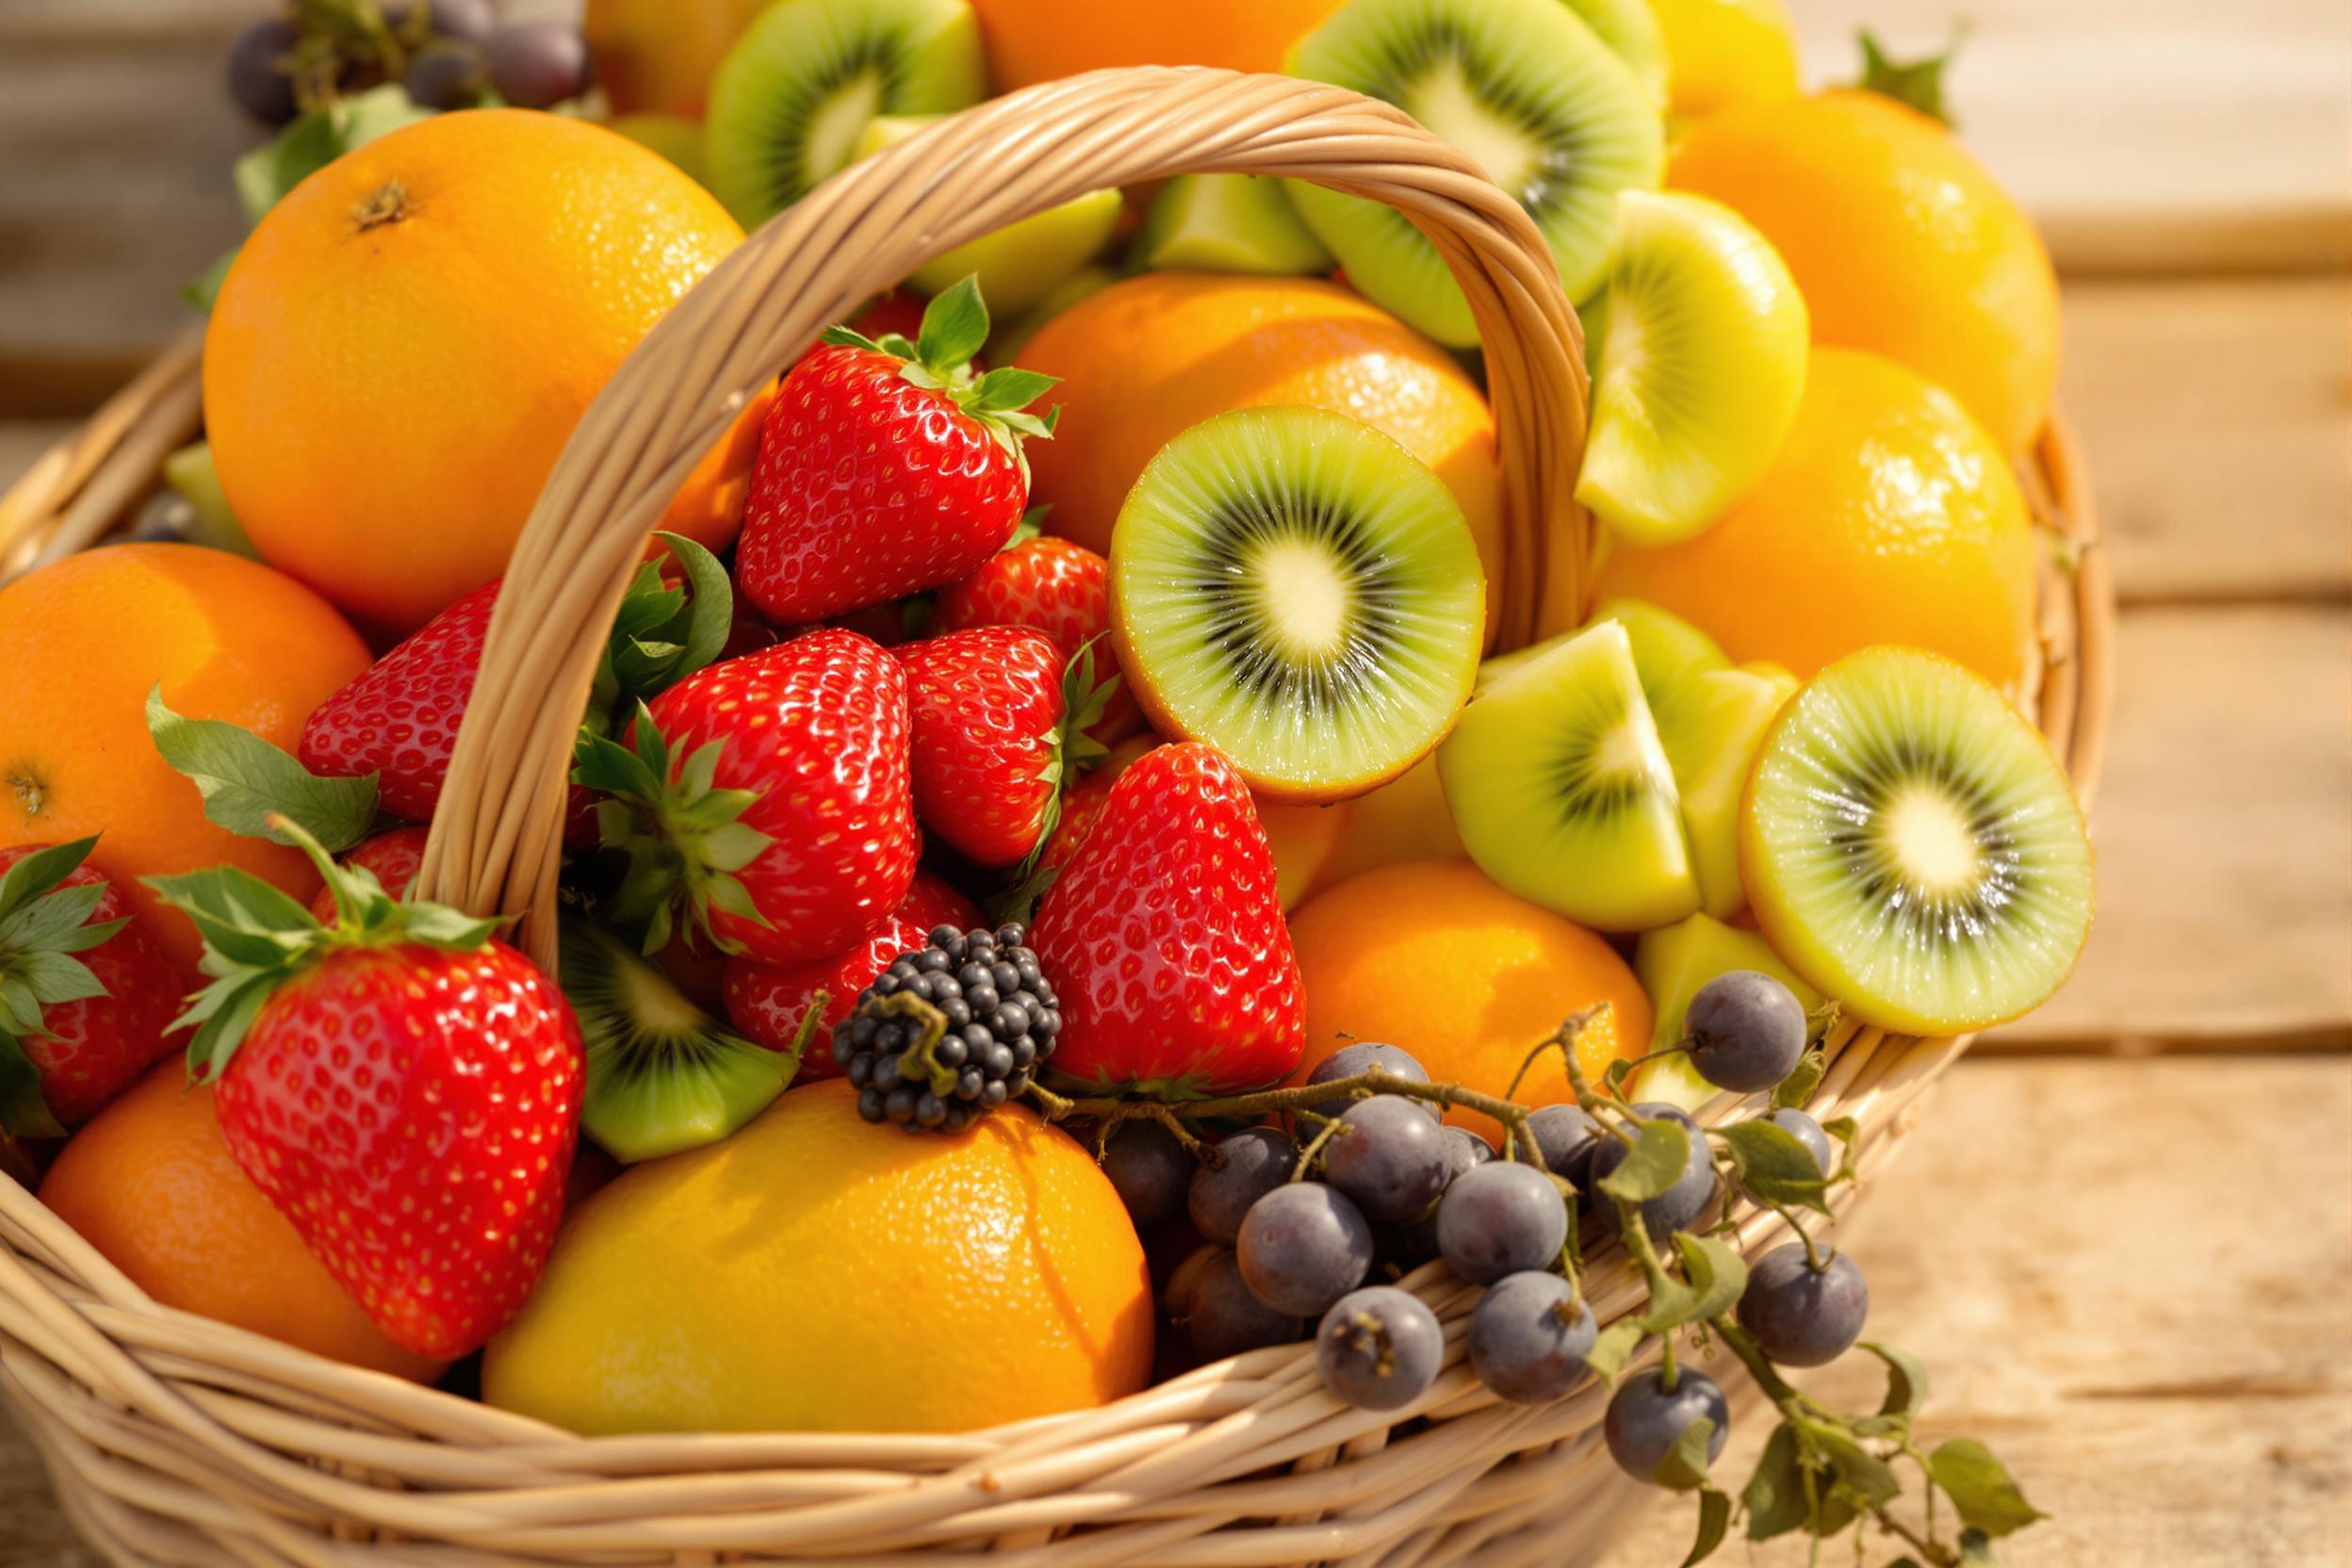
(261, 88)
(447, 77)
(539, 64)
(1415, 1242)
(1501, 1219)
(1645, 1418)
(1799, 1316)
(1150, 1171)
(1681, 1203)
(1566, 1137)
(1745, 1031)
(1351, 1061)
(1223, 1318)
(1303, 1246)
(1388, 1156)
(1379, 1349)
(1807, 1132)
(1529, 1337)
(1238, 1171)
(463, 20)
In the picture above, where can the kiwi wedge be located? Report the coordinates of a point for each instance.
(1630, 29)
(1713, 728)
(1295, 588)
(791, 99)
(1563, 792)
(662, 1074)
(1702, 363)
(1911, 846)
(1227, 224)
(1673, 963)
(1526, 88)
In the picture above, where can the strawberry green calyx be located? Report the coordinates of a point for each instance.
(256, 939)
(1084, 700)
(1916, 84)
(41, 928)
(955, 326)
(663, 633)
(680, 834)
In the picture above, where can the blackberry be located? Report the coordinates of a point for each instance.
(996, 1017)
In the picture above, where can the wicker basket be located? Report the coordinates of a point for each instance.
(174, 1439)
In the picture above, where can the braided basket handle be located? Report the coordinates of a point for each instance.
(496, 839)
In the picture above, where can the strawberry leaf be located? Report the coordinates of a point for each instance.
(40, 873)
(23, 1110)
(1003, 391)
(955, 328)
(1916, 84)
(245, 781)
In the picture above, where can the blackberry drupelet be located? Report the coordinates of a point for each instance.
(950, 1030)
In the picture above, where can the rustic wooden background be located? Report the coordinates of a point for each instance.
(2124, 1241)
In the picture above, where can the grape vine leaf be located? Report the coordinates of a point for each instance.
(1980, 1487)
(1652, 1166)
(1774, 1496)
(1714, 1524)
(1775, 1167)
(1613, 1349)
(1683, 1468)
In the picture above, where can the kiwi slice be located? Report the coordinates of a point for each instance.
(1630, 29)
(1673, 963)
(662, 1074)
(1521, 86)
(791, 99)
(1295, 588)
(1563, 791)
(1913, 849)
(1713, 728)
(1702, 363)
(1227, 224)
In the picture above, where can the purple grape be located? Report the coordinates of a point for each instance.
(445, 77)
(463, 20)
(1238, 1171)
(1414, 1242)
(1148, 1169)
(1802, 1316)
(1388, 1156)
(1529, 1337)
(1678, 1205)
(1565, 1136)
(539, 64)
(1224, 1319)
(1645, 1419)
(1745, 1031)
(1379, 1348)
(257, 80)
(1303, 1246)
(1501, 1219)
(1353, 1061)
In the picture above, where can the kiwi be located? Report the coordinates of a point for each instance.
(1713, 728)
(1702, 364)
(1526, 88)
(675, 137)
(795, 93)
(1563, 792)
(1673, 962)
(1227, 224)
(1630, 29)
(662, 1074)
(1294, 587)
(1912, 848)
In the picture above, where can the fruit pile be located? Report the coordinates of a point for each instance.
(1059, 735)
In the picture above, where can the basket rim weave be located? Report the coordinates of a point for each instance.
(177, 1439)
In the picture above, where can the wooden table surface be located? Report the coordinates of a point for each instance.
(2123, 1242)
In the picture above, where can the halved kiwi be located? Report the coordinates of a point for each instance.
(791, 99)
(1702, 362)
(1227, 224)
(1913, 849)
(662, 1074)
(1295, 588)
(1630, 29)
(1521, 86)
(1563, 791)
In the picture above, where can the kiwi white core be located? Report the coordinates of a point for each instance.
(1305, 600)
(838, 121)
(1446, 100)
(1930, 841)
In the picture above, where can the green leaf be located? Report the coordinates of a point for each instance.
(1980, 1488)
(1907, 1380)
(1863, 1478)
(57, 922)
(1976, 1550)
(1005, 390)
(710, 609)
(40, 873)
(1716, 1272)
(1849, 1136)
(204, 288)
(24, 1109)
(1916, 84)
(1773, 1165)
(1614, 1078)
(245, 780)
(1652, 1166)
(1683, 1468)
(955, 327)
(57, 979)
(263, 175)
(1791, 1092)
(1613, 1349)
(1774, 1496)
(1714, 1523)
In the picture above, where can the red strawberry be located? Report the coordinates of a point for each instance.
(403, 1088)
(765, 801)
(1084, 800)
(768, 1001)
(1164, 940)
(86, 994)
(897, 311)
(887, 467)
(1053, 586)
(392, 857)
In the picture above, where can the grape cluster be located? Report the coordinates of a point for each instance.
(445, 54)
(949, 1030)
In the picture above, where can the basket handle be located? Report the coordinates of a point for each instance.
(496, 839)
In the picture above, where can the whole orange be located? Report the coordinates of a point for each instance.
(1147, 359)
(1434, 957)
(84, 640)
(1035, 41)
(1900, 241)
(150, 1182)
(1889, 516)
(405, 342)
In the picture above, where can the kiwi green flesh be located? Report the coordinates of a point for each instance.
(1294, 587)
(1563, 792)
(1713, 728)
(1521, 86)
(1228, 224)
(1630, 29)
(791, 100)
(1913, 847)
(1673, 963)
(662, 1074)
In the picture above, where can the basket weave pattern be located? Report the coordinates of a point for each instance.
(176, 1440)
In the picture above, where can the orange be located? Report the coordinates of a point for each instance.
(84, 640)
(816, 1272)
(1433, 956)
(404, 344)
(1145, 359)
(1889, 516)
(150, 1182)
(1035, 41)
(1720, 53)
(1900, 241)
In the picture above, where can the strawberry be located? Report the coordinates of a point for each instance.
(898, 311)
(1164, 940)
(767, 1001)
(1054, 586)
(405, 1090)
(764, 802)
(86, 994)
(1084, 801)
(392, 857)
(887, 467)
